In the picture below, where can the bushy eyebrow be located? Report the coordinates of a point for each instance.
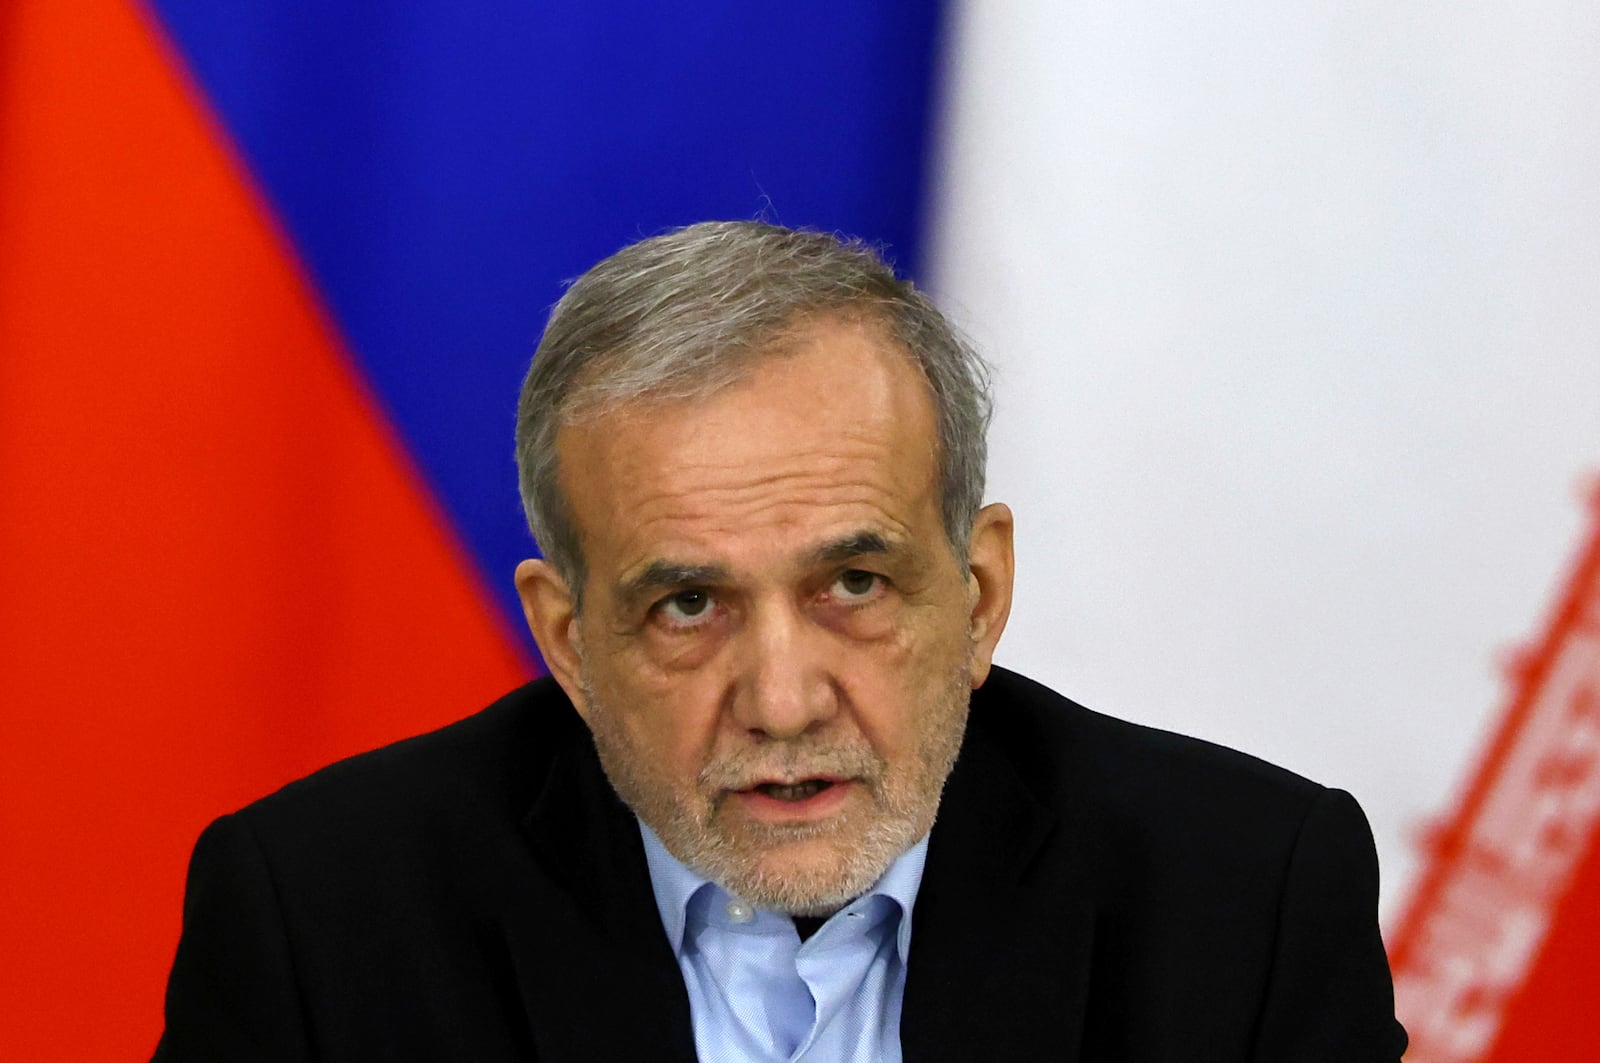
(857, 544)
(663, 575)
(660, 576)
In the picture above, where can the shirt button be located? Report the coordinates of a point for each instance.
(739, 912)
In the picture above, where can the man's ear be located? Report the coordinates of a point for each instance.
(992, 564)
(552, 614)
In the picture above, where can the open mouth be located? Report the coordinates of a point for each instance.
(795, 791)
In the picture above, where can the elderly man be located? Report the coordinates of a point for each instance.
(769, 602)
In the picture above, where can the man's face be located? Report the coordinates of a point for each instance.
(777, 641)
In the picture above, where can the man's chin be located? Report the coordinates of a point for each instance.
(812, 872)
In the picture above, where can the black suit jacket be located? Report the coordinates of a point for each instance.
(1094, 890)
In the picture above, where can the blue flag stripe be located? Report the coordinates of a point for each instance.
(442, 168)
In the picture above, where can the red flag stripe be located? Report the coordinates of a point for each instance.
(216, 568)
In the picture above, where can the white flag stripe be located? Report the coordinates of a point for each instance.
(1295, 312)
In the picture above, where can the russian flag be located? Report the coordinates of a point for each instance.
(270, 275)
(1293, 314)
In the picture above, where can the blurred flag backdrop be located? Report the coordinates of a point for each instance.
(1299, 363)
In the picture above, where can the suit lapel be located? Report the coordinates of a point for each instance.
(597, 977)
(1001, 935)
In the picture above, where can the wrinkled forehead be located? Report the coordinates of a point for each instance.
(835, 426)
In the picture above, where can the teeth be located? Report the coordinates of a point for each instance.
(795, 791)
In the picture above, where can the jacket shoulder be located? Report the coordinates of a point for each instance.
(1073, 755)
(1152, 811)
(476, 775)
(1234, 903)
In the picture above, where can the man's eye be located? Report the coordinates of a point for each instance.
(855, 584)
(685, 607)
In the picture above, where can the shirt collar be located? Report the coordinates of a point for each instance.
(675, 885)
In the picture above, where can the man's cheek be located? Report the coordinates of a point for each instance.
(901, 658)
(667, 652)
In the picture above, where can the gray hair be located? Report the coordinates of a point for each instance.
(687, 313)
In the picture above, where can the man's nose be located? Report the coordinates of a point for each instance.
(785, 687)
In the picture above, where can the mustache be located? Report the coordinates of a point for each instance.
(791, 762)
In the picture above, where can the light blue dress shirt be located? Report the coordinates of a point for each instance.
(757, 993)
